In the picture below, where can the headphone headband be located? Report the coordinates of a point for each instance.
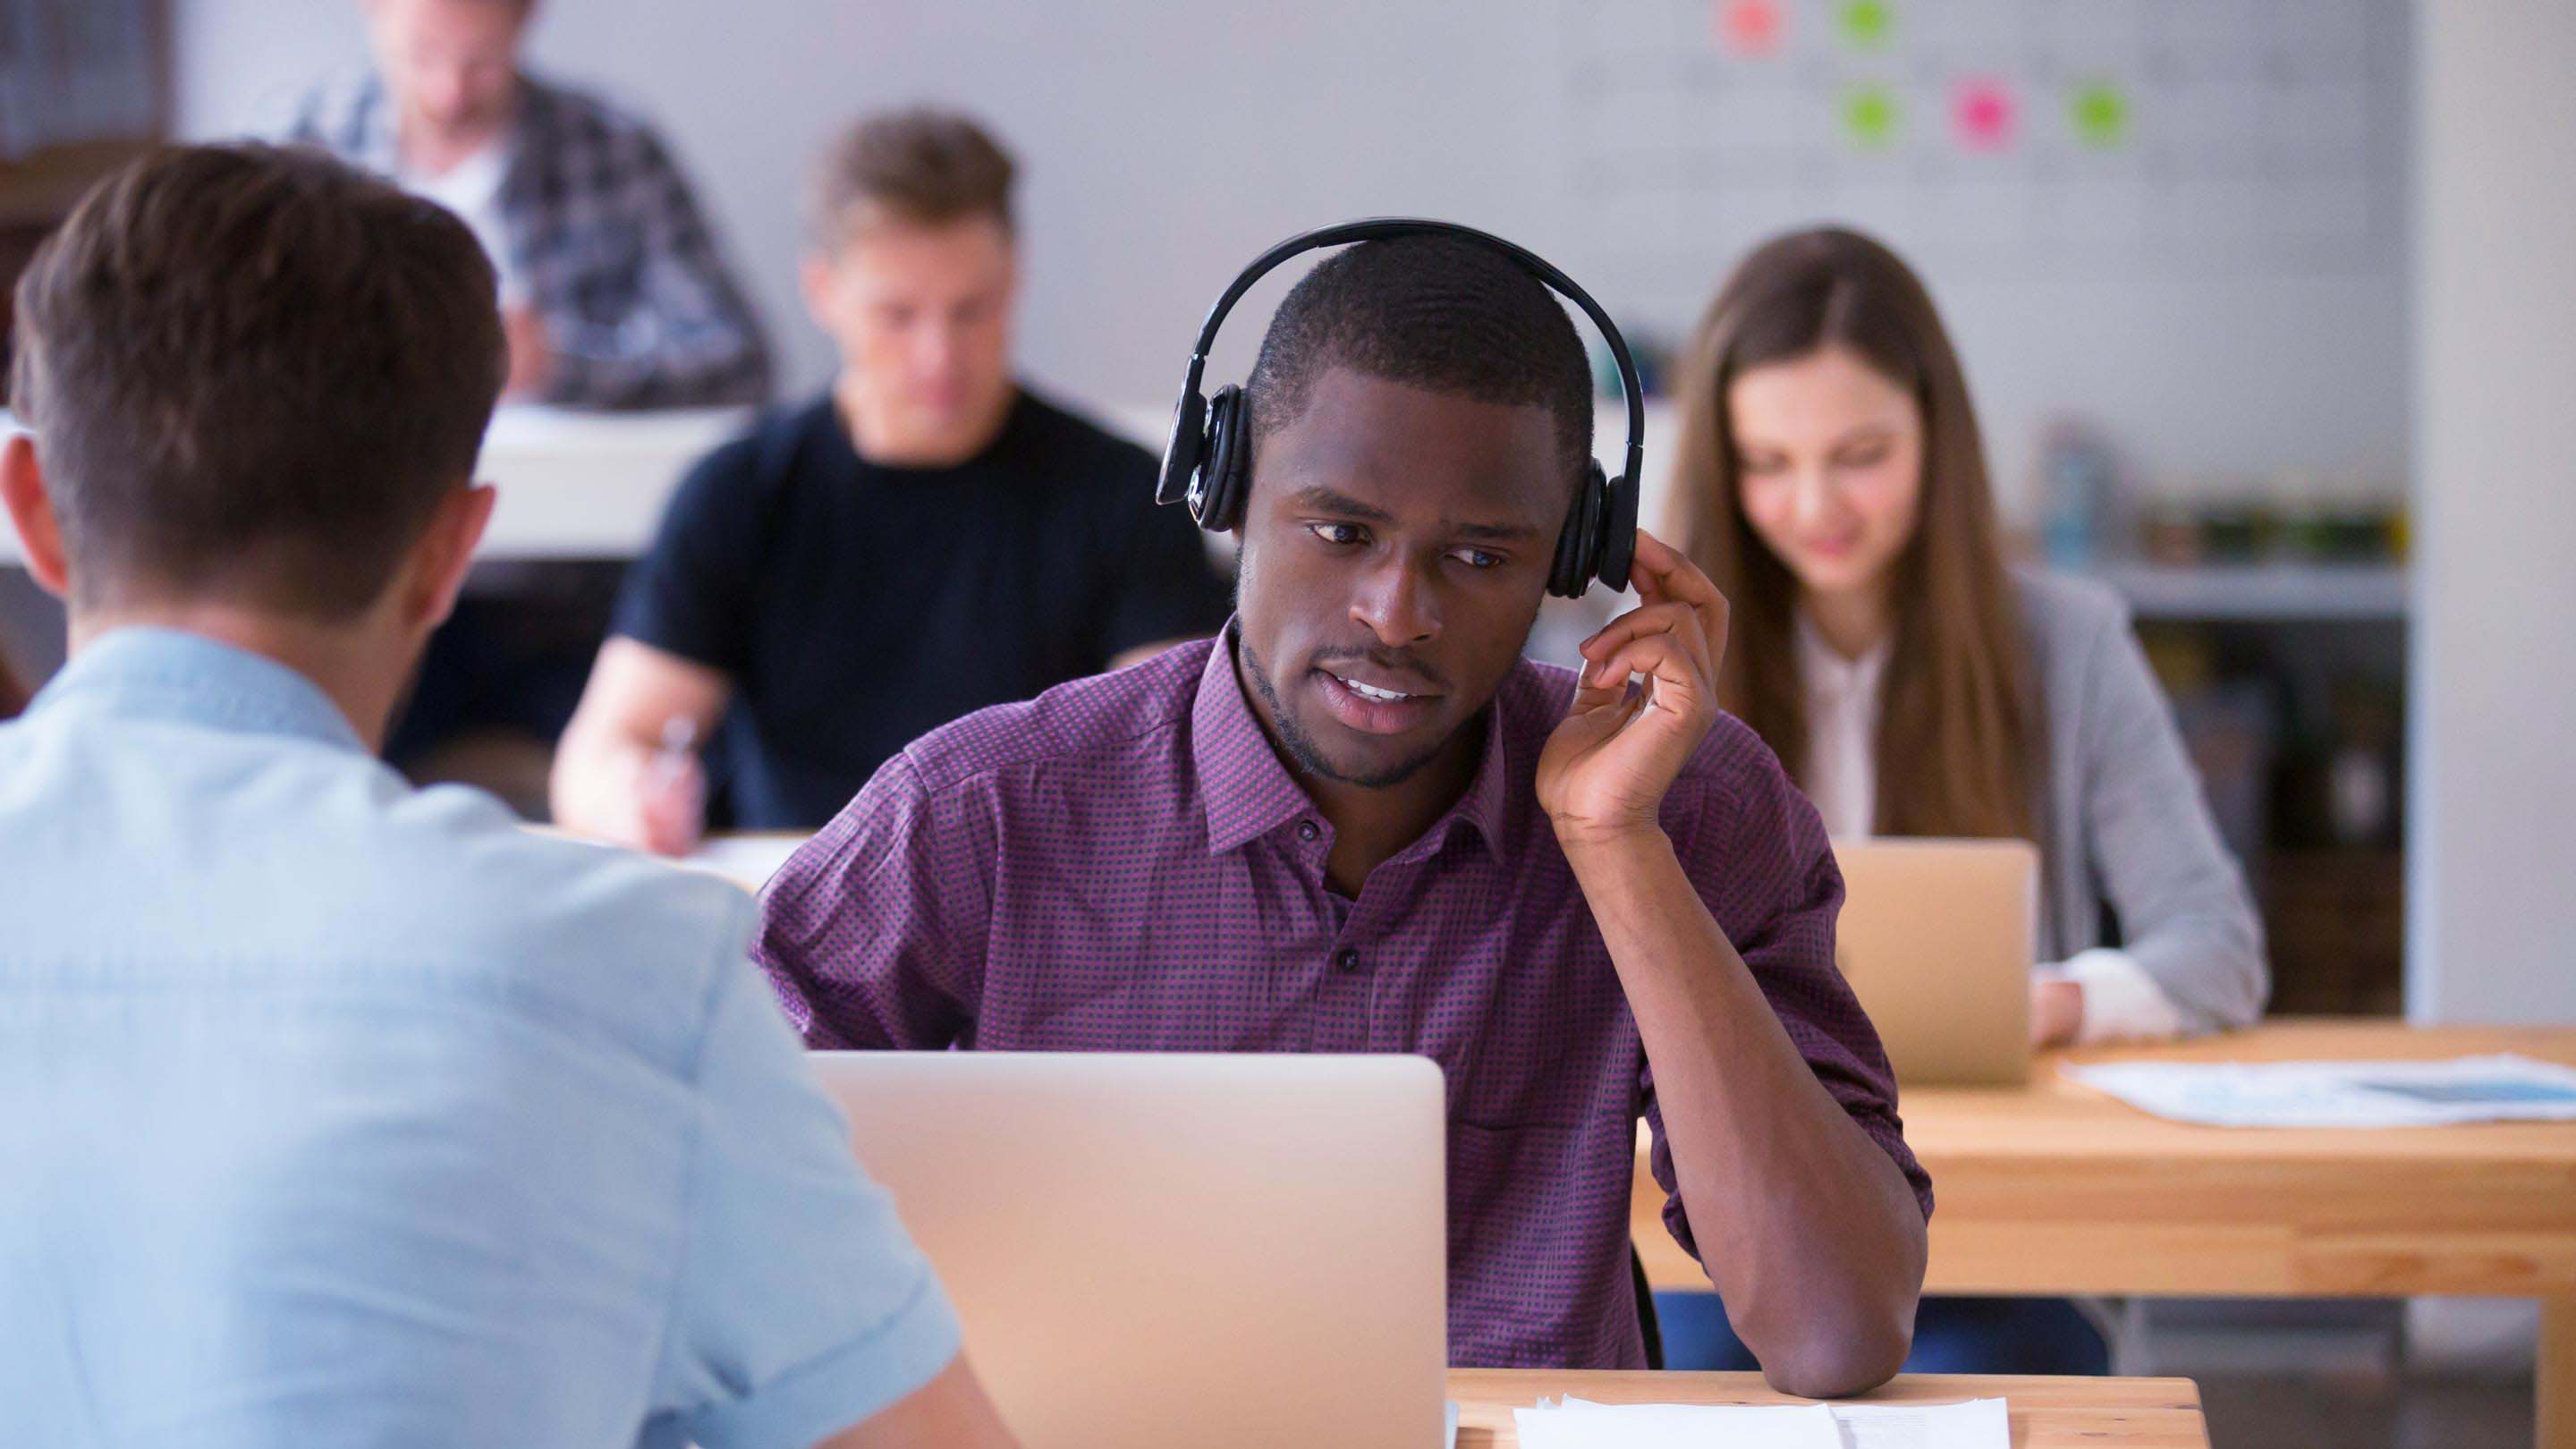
(1207, 464)
(1381, 228)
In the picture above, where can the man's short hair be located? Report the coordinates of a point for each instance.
(1444, 313)
(253, 374)
(922, 166)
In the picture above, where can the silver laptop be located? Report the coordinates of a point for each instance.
(1176, 1249)
(1937, 939)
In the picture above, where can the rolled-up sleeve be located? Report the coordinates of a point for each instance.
(1756, 851)
(802, 1306)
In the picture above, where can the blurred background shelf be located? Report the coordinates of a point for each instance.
(2252, 592)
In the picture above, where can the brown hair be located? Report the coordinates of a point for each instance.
(923, 166)
(253, 373)
(1956, 752)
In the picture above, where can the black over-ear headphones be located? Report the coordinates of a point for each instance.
(1208, 462)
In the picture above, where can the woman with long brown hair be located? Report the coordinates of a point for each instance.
(1831, 479)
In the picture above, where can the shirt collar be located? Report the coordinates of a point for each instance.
(171, 674)
(1248, 793)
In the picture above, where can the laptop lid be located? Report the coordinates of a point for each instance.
(1176, 1249)
(1937, 938)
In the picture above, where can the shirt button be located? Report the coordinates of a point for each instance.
(1306, 830)
(1348, 958)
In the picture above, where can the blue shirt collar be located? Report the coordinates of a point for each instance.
(145, 672)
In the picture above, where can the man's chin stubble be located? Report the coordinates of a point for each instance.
(1301, 746)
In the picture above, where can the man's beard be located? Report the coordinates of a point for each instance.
(1301, 746)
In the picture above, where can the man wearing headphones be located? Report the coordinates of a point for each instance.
(1360, 821)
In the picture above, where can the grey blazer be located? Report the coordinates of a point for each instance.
(2124, 822)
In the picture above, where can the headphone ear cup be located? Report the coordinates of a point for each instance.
(1578, 544)
(1618, 532)
(1183, 450)
(1217, 495)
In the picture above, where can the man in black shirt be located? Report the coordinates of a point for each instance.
(926, 539)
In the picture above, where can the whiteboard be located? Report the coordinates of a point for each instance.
(2104, 140)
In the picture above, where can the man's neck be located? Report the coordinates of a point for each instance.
(347, 662)
(879, 442)
(1853, 622)
(426, 151)
(1372, 824)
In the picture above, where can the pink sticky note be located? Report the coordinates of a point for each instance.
(1984, 114)
(1750, 27)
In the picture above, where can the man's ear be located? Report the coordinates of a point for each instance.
(22, 489)
(445, 552)
(814, 280)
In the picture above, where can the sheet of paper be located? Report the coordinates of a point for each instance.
(749, 860)
(1575, 1424)
(1579, 1424)
(1976, 1424)
(2341, 1094)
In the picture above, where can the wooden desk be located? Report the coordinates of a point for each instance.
(2046, 1413)
(2052, 1189)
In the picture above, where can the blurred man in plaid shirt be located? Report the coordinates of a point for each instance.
(611, 286)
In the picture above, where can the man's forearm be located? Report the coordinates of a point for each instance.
(1810, 1230)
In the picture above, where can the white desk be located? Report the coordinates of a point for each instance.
(572, 485)
(589, 485)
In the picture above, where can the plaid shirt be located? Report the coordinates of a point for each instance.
(616, 256)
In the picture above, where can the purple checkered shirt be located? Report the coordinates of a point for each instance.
(1124, 864)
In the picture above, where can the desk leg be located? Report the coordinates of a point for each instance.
(2556, 1376)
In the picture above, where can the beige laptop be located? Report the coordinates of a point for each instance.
(1175, 1249)
(1937, 937)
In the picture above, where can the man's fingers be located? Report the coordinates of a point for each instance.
(670, 803)
(1670, 618)
(1664, 573)
(1666, 661)
(1669, 571)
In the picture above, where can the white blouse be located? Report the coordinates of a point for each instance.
(1842, 730)
(2121, 1001)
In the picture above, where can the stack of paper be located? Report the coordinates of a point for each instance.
(1577, 1424)
(2341, 1094)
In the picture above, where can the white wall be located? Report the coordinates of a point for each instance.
(2492, 854)
(1166, 141)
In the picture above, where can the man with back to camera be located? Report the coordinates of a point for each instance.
(1358, 820)
(613, 289)
(336, 1113)
(927, 538)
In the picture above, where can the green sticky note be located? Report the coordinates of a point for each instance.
(1871, 116)
(1867, 23)
(2099, 111)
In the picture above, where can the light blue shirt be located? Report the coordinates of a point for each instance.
(334, 1112)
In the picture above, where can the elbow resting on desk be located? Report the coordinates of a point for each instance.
(1839, 1355)
(1843, 1326)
